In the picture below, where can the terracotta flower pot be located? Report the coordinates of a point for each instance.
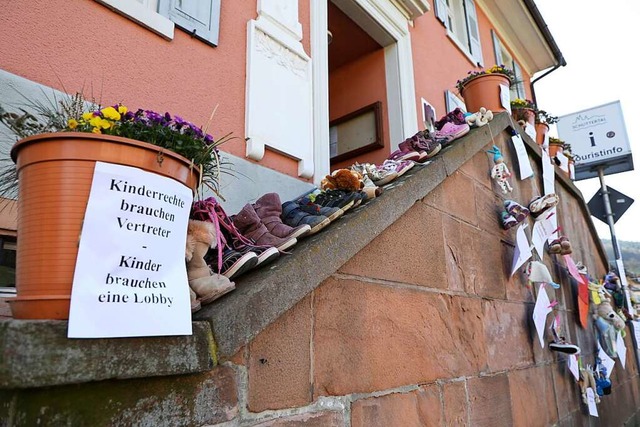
(484, 91)
(526, 114)
(554, 149)
(542, 129)
(55, 172)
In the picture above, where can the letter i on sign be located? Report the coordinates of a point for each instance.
(592, 139)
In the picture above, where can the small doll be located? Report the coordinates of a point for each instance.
(500, 172)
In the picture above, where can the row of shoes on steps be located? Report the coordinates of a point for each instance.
(221, 247)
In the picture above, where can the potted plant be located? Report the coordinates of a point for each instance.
(523, 109)
(543, 120)
(57, 148)
(556, 146)
(482, 88)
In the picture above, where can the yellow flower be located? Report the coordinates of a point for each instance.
(73, 123)
(96, 130)
(111, 113)
(88, 116)
(99, 122)
(122, 109)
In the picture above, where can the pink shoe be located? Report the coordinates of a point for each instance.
(405, 155)
(451, 131)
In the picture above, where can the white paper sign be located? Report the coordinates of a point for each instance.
(543, 229)
(505, 97)
(607, 362)
(530, 130)
(591, 399)
(130, 277)
(548, 173)
(621, 349)
(522, 251)
(572, 360)
(625, 285)
(540, 312)
(636, 332)
(524, 165)
(564, 162)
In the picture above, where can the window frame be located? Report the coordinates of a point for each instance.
(465, 33)
(500, 50)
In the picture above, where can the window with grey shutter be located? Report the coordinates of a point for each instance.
(519, 80)
(200, 18)
(473, 31)
(441, 11)
(497, 50)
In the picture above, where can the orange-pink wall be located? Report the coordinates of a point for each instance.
(83, 45)
(356, 85)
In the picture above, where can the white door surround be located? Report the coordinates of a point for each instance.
(387, 25)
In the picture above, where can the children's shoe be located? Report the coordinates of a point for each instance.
(456, 117)
(269, 209)
(541, 204)
(308, 206)
(293, 216)
(508, 220)
(250, 226)
(554, 247)
(379, 177)
(233, 263)
(370, 189)
(405, 155)
(519, 212)
(452, 131)
(399, 167)
(565, 246)
(344, 200)
(563, 346)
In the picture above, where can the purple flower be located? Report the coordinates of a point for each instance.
(208, 139)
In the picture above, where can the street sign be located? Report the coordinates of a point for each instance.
(598, 138)
(619, 205)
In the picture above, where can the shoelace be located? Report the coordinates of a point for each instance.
(210, 210)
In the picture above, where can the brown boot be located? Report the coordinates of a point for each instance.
(269, 209)
(201, 236)
(249, 225)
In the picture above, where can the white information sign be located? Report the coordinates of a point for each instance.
(522, 251)
(548, 174)
(621, 349)
(505, 98)
(543, 229)
(130, 278)
(591, 402)
(636, 332)
(524, 165)
(540, 312)
(598, 136)
(572, 361)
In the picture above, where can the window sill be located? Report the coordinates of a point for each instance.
(462, 49)
(142, 15)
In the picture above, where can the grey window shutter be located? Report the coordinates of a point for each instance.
(519, 81)
(441, 11)
(201, 18)
(473, 31)
(497, 50)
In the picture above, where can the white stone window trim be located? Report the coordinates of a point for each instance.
(463, 48)
(144, 14)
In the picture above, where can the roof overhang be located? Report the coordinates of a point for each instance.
(522, 28)
(412, 9)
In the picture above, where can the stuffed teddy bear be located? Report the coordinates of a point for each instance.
(342, 179)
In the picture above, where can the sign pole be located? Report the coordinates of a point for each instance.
(614, 240)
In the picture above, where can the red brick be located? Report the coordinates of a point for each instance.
(420, 408)
(279, 362)
(490, 403)
(315, 419)
(456, 411)
(507, 335)
(410, 251)
(455, 196)
(533, 398)
(370, 337)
